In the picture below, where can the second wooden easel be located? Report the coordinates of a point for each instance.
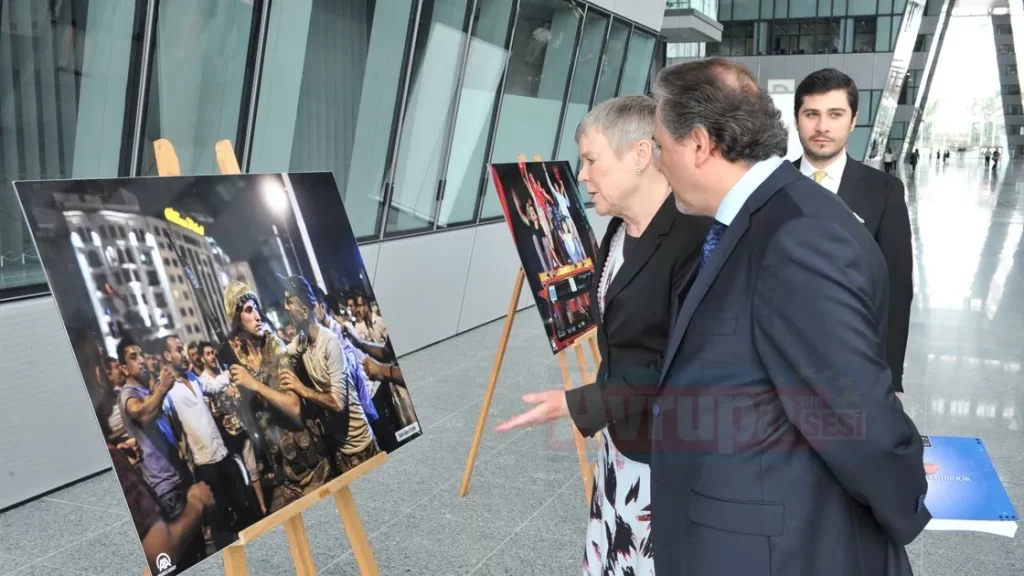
(289, 517)
(586, 470)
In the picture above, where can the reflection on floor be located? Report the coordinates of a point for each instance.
(526, 513)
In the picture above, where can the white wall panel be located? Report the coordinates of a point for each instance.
(419, 283)
(492, 274)
(49, 434)
(369, 253)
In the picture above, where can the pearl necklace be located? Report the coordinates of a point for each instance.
(611, 265)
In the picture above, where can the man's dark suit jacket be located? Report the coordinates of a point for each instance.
(878, 199)
(633, 336)
(779, 447)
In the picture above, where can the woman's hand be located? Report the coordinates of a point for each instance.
(550, 406)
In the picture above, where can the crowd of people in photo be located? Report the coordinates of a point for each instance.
(545, 212)
(207, 438)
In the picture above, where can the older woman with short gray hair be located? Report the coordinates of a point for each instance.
(648, 256)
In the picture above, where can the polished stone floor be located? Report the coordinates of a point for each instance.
(525, 513)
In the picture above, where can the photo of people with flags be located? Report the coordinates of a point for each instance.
(556, 244)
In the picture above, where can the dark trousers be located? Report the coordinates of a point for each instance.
(235, 509)
(384, 426)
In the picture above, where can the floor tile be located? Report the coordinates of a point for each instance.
(547, 556)
(113, 551)
(45, 526)
(101, 491)
(9, 564)
(438, 545)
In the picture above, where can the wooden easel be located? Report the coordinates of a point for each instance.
(291, 516)
(586, 471)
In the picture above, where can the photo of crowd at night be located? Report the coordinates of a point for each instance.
(230, 341)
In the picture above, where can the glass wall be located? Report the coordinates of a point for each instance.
(405, 101)
(588, 63)
(542, 56)
(196, 80)
(65, 98)
(781, 27)
(637, 68)
(481, 84)
(437, 59)
(329, 92)
(614, 54)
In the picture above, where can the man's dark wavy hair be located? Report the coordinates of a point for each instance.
(824, 81)
(123, 346)
(722, 97)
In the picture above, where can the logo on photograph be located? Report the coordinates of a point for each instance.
(164, 565)
(408, 431)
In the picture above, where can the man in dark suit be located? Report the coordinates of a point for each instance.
(826, 114)
(778, 444)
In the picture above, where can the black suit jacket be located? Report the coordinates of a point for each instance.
(878, 199)
(779, 446)
(632, 337)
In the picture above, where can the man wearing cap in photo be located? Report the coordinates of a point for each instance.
(347, 429)
(289, 446)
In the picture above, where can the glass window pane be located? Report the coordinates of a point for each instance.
(746, 9)
(197, 73)
(885, 6)
(802, 8)
(876, 96)
(860, 7)
(762, 38)
(767, 9)
(332, 77)
(824, 7)
(897, 22)
(437, 57)
(538, 71)
(839, 7)
(608, 83)
(882, 34)
(864, 108)
(638, 63)
(857, 144)
(781, 8)
(725, 10)
(480, 84)
(587, 62)
(63, 80)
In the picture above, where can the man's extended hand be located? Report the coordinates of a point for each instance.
(550, 406)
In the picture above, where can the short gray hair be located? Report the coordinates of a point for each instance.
(722, 97)
(624, 121)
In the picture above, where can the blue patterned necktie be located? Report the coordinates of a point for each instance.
(711, 241)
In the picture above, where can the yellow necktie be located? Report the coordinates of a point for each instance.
(818, 176)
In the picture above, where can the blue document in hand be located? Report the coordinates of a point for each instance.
(964, 490)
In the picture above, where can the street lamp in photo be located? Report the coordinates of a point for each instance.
(276, 198)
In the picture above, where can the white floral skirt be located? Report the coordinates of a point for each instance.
(619, 530)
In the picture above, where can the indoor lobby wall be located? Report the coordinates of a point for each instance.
(441, 263)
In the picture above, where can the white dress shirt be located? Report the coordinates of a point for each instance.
(833, 172)
(744, 188)
(201, 430)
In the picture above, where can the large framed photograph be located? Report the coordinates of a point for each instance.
(230, 342)
(556, 245)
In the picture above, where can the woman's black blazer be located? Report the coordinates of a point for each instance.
(641, 304)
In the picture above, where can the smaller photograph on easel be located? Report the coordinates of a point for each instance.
(230, 342)
(556, 245)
